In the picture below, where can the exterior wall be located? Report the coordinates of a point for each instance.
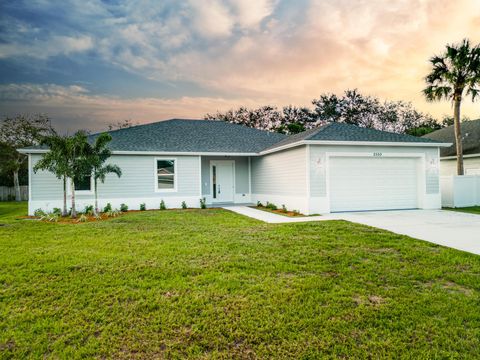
(449, 167)
(281, 178)
(460, 191)
(429, 193)
(242, 178)
(135, 186)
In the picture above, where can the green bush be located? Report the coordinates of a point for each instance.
(143, 207)
(39, 213)
(284, 208)
(184, 205)
(57, 211)
(123, 208)
(203, 204)
(107, 208)
(162, 205)
(271, 206)
(89, 210)
(259, 204)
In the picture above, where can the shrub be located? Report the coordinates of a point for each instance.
(89, 210)
(259, 204)
(284, 208)
(184, 205)
(113, 213)
(57, 211)
(271, 206)
(39, 213)
(143, 207)
(203, 204)
(123, 208)
(49, 217)
(296, 212)
(107, 208)
(162, 205)
(83, 218)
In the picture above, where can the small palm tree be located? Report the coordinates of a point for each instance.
(98, 153)
(454, 74)
(55, 161)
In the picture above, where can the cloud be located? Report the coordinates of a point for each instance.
(73, 107)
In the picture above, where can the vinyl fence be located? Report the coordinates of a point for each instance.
(8, 193)
(460, 191)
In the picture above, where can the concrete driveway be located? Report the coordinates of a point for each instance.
(448, 228)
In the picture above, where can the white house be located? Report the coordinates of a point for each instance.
(471, 148)
(335, 167)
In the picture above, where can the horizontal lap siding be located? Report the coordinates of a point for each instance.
(280, 173)
(137, 180)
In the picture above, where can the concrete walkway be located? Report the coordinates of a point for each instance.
(448, 228)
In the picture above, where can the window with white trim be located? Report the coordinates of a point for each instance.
(83, 184)
(165, 174)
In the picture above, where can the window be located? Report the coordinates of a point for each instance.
(83, 184)
(165, 174)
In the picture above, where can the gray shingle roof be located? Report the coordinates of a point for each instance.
(470, 135)
(346, 132)
(179, 135)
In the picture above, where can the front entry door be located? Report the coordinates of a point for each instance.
(223, 185)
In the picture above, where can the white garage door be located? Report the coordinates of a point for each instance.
(369, 183)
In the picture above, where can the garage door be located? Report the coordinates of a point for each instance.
(369, 183)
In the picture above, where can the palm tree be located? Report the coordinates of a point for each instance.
(55, 161)
(454, 74)
(78, 163)
(98, 153)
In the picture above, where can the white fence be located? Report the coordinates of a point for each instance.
(460, 191)
(8, 193)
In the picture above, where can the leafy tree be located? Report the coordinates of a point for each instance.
(455, 74)
(19, 132)
(97, 154)
(55, 161)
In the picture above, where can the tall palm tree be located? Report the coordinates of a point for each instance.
(55, 161)
(455, 73)
(98, 153)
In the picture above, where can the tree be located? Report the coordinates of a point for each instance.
(55, 161)
(455, 74)
(121, 125)
(19, 132)
(97, 154)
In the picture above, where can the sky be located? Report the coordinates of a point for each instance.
(88, 63)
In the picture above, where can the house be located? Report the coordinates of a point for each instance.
(471, 148)
(335, 167)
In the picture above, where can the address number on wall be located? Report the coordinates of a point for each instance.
(377, 154)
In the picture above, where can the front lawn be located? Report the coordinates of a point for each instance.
(214, 284)
(470, 209)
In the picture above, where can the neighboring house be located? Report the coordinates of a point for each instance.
(471, 148)
(336, 167)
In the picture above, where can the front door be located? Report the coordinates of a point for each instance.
(222, 180)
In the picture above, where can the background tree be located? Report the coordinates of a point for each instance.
(19, 132)
(352, 108)
(55, 161)
(98, 153)
(455, 74)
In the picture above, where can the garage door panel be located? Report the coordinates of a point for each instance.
(358, 183)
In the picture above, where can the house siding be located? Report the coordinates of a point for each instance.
(449, 167)
(135, 186)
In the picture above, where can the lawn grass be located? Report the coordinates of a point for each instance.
(470, 209)
(214, 284)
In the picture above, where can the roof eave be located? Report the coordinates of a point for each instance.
(355, 143)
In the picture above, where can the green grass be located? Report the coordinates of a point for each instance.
(213, 284)
(470, 209)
